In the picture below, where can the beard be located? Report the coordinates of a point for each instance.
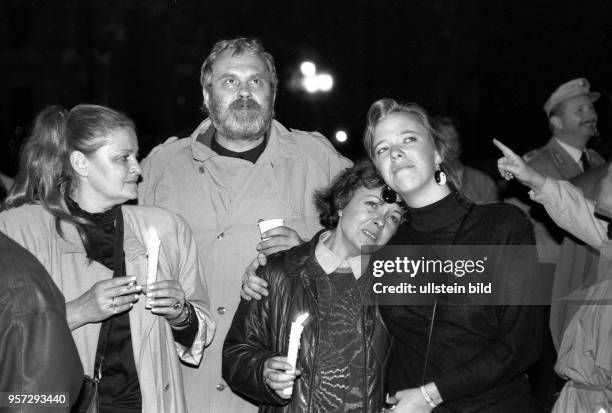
(243, 119)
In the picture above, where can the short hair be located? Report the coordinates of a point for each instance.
(238, 47)
(385, 107)
(340, 192)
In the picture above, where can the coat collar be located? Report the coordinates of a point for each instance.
(71, 242)
(301, 256)
(203, 153)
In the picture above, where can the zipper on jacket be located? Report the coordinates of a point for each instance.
(316, 349)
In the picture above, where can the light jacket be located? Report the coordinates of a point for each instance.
(222, 198)
(155, 352)
(585, 351)
(261, 329)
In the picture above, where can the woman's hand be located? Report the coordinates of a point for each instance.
(409, 401)
(166, 298)
(104, 299)
(276, 376)
(252, 285)
(512, 166)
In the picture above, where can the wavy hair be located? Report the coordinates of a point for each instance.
(339, 193)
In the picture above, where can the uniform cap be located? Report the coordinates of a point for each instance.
(573, 88)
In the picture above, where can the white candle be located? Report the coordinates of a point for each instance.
(294, 344)
(268, 224)
(152, 244)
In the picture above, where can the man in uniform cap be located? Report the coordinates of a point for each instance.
(573, 122)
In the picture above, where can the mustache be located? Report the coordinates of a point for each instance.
(244, 104)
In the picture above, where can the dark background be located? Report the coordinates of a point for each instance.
(489, 64)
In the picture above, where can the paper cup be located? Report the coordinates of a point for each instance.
(268, 224)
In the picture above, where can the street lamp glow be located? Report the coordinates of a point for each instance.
(311, 84)
(308, 69)
(341, 136)
(325, 82)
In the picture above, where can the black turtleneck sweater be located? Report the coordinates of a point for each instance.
(478, 354)
(119, 387)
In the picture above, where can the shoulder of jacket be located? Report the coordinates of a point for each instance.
(168, 148)
(27, 214)
(151, 216)
(308, 141)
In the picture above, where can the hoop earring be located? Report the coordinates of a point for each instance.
(440, 176)
(388, 195)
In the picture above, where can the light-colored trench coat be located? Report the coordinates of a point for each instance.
(585, 353)
(155, 352)
(221, 198)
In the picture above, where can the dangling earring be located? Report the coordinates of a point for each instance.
(440, 175)
(388, 195)
(339, 212)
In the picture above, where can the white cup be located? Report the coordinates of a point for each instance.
(268, 224)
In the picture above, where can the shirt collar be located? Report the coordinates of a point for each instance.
(330, 262)
(574, 153)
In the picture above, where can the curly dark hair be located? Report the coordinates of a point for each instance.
(338, 194)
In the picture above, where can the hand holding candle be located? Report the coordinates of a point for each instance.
(297, 327)
(152, 244)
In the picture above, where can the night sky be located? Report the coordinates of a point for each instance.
(489, 64)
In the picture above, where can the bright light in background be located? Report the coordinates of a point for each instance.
(308, 69)
(341, 136)
(313, 82)
(326, 82)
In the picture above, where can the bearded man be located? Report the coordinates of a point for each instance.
(237, 167)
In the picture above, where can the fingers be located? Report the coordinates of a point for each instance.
(505, 150)
(253, 286)
(120, 304)
(166, 289)
(261, 259)
(391, 399)
(256, 284)
(116, 282)
(274, 242)
(278, 239)
(124, 290)
(276, 376)
(278, 363)
(269, 250)
(278, 232)
(122, 308)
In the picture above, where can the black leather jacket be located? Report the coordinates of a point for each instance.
(37, 353)
(260, 330)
